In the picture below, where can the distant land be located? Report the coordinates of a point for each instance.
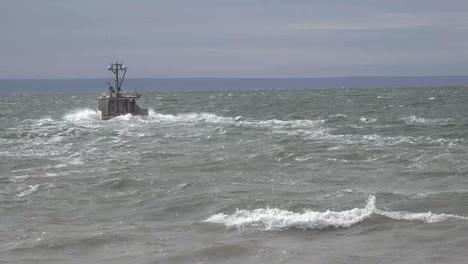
(59, 86)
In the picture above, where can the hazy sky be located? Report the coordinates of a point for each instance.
(233, 38)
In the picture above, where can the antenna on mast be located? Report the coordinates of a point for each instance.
(116, 68)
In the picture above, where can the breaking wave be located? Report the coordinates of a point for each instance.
(424, 217)
(414, 120)
(31, 189)
(367, 120)
(190, 117)
(307, 129)
(277, 219)
(84, 114)
(239, 120)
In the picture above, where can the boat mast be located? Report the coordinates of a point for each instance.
(115, 68)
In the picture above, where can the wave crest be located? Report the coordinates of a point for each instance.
(277, 219)
(190, 117)
(238, 120)
(425, 217)
(414, 120)
(84, 114)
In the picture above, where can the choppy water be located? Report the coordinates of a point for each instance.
(299, 176)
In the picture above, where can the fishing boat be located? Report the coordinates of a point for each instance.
(117, 102)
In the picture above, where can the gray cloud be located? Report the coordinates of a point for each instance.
(267, 38)
(389, 21)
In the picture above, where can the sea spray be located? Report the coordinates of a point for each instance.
(83, 114)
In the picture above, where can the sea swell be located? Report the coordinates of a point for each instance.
(308, 129)
(300, 165)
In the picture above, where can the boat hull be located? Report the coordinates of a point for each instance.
(112, 107)
(144, 112)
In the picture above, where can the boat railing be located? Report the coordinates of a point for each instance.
(130, 93)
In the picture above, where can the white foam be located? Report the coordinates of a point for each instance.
(45, 120)
(425, 217)
(277, 219)
(303, 158)
(339, 116)
(30, 190)
(126, 117)
(367, 120)
(151, 112)
(384, 97)
(413, 120)
(189, 118)
(301, 123)
(238, 120)
(84, 114)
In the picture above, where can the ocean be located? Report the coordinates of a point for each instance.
(254, 176)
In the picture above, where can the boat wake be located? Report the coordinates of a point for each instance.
(277, 219)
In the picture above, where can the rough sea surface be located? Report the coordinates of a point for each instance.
(283, 176)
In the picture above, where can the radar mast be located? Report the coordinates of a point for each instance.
(116, 68)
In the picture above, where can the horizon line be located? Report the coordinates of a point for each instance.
(245, 78)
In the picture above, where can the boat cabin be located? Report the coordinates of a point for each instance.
(116, 102)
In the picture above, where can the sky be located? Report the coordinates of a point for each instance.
(233, 38)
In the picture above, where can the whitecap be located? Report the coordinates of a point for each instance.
(303, 158)
(84, 114)
(413, 120)
(339, 147)
(367, 120)
(277, 219)
(339, 116)
(126, 117)
(45, 120)
(20, 177)
(238, 120)
(189, 118)
(31, 189)
(151, 112)
(425, 217)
